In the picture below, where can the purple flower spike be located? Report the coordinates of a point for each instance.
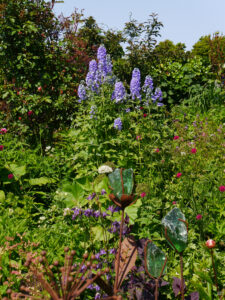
(118, 124)
(82, 92)
(119, 93)
(101, 54)
(103, 192)
(135, 84)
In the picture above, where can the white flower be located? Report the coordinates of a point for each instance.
(104, 169)
(183, 153)
(67, 211)
(42, 218)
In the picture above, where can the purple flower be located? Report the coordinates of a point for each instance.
(127, 110)
(92, 111)
(135, 84)
(93, 66)
(112, 251)
(111, 208)
(97, 214)
(88, 212)
(81, 92)
(104, 214)
(148, 85)
(102, 252)
(97, 296)
(91, 197)
(103, 192)
(119, 92)
(76, 212)
(118, 124)
(101, 54)
(157, 95)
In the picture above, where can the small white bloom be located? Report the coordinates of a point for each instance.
(104, 169)
(42, 218)
(47, 148)
(67, 211)
(183, 153)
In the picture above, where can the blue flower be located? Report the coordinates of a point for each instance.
(157, 95)
(135, 84)
(118, 124)
(81, 92)
(119, 92)
(148, 86)
(101, 54)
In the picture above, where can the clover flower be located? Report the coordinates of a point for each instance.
(81, 92)
(119, 92)
(118, 124)
(135, 84)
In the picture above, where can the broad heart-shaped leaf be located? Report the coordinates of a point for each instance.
(132, 211)
(2, 196)
(176, 229)
(155, 260)
(17, 171)
(100, 234)
(128, 258)
(103, 184)
(41, 181)
(116, 183)
(73, 194)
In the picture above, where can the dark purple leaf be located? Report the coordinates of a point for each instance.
(177, 286)
(193, 296)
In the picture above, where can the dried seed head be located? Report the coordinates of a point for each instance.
(93, 257)
(85, 256)
(56, 263)
(73, 252)
(66, 249)
(43, 253)
(107, 270)
(70, 279)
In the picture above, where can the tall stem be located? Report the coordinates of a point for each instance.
(181, 276)
(119, 254)
(214, 271)
(156, 289)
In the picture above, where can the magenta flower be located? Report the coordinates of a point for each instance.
(157, 150)
(30, 112)
(3, 130)
(1, 147)
(143, 195)
(176, 137)
(193, 150)
(222, 188)
(10, 176)
(199, 217)
(178, 175)
(174, 202)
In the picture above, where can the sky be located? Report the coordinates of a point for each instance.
(184, 21)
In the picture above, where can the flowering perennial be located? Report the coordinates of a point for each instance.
(118, 124)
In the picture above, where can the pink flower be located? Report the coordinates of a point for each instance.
(210, 244)
(30, 112)
(143, 195)
(10, 176)
(3, 130)
(1, 147)
(144, 115)
(222, 188)
(199, 217)
(193, 150)
(138, 138)
(39, 89)
(178, 175)
(157, 150)
(174, 202)
(176, 137)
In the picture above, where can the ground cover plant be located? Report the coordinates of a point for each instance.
(55, 185)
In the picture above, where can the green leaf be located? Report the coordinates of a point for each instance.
(41, 181)
(100, 234)
(17, 171)
(132, 211)
(2, 196)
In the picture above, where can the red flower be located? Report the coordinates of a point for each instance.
(143, 195)
(157, 150)
(1, 147)
(178, 175)
(144, 115)
(20, 118)
(30, 112)
(210, 244)
(176, 137)
(199, 217)
(193, 150)
(141, 107)
(222, 188)
(174, 202)
(39, 89)
(10, 176)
